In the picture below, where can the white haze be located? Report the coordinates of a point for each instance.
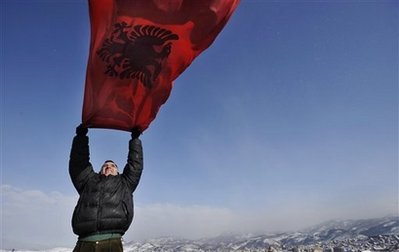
(33, 219)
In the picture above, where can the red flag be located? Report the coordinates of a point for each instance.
(137, 49)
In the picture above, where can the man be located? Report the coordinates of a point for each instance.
(104, 211)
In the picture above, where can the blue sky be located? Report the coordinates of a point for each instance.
(289, 118)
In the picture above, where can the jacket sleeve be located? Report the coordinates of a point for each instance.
(80, 168)
(134, 167)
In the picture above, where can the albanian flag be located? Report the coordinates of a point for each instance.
(137, 49)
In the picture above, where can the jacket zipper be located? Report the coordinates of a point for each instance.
(99, 212)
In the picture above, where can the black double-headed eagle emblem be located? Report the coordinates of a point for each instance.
(136, 52)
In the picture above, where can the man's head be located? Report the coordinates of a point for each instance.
(109, 168)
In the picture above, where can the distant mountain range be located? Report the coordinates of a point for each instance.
(380, 234)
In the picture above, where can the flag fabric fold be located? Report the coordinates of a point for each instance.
(137, 49)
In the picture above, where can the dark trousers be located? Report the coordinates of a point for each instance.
(110, 245)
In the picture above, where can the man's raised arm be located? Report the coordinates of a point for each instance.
(134, 167)
(79, 158)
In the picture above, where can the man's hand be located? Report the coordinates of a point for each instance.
(81, 130)
(136, 132)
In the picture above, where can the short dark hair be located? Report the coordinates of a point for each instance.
(106, 161)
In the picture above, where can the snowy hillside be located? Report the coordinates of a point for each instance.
(349, 235)
(363, 235)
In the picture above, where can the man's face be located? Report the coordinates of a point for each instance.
(109, 168)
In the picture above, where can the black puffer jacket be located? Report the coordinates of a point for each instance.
(105, 203)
